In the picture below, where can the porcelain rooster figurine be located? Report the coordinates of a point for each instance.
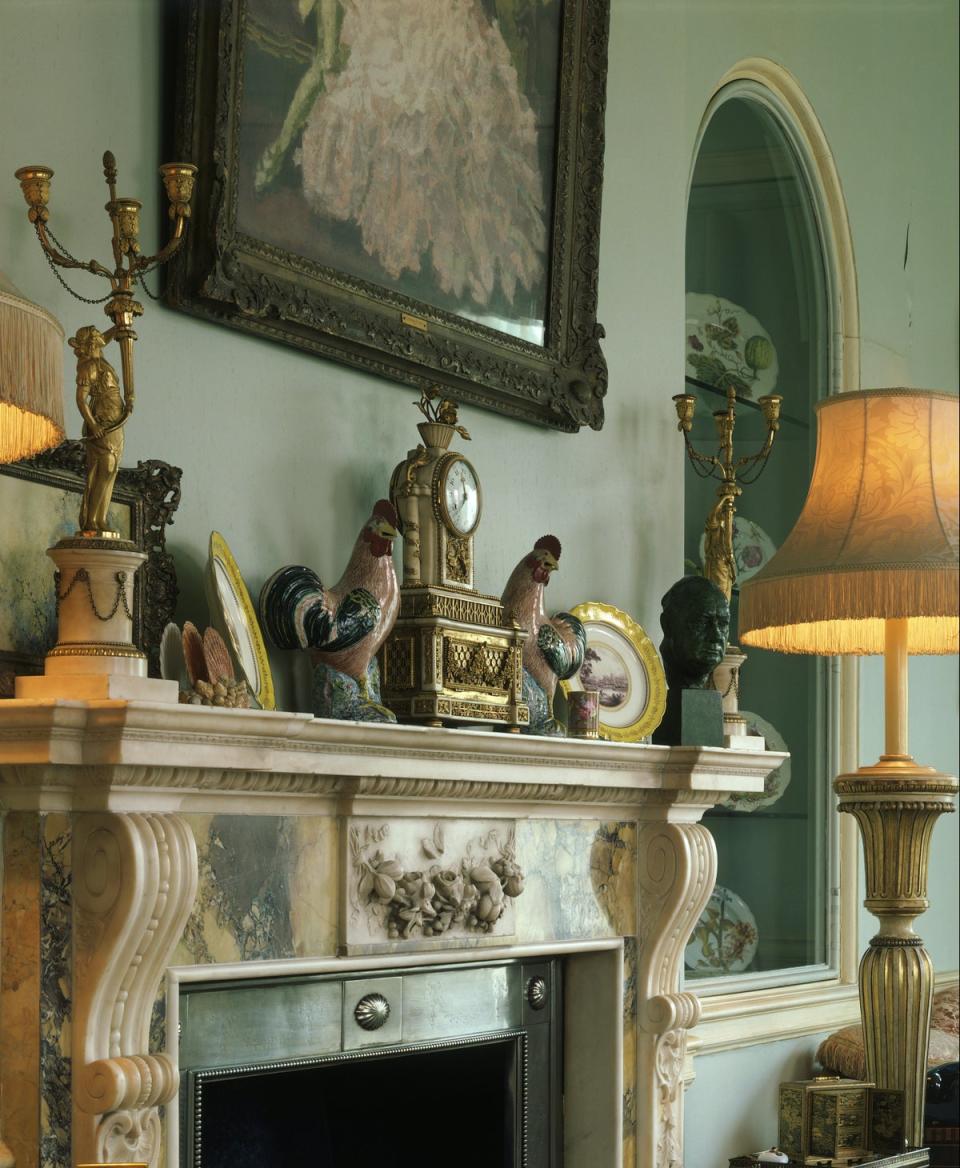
(555, 647)
(343, 626)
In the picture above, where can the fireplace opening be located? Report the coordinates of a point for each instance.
(403, 1069)
(461, 1104)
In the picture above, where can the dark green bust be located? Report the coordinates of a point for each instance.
(695, 622)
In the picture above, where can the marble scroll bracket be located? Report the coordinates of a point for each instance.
(134, 884)
(676, 872)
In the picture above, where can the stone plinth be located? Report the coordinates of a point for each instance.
(146, 843)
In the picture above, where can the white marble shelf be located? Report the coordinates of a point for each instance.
(77, 754)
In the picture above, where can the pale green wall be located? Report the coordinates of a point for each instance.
(283, 452)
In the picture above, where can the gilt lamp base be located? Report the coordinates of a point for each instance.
(896, 803)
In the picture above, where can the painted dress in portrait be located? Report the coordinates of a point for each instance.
(407, 144)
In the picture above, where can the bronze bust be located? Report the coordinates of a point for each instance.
(695, 622)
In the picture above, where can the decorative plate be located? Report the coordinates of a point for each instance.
(725, 938)
(233, 615)
(752, 548)
(623, 664)
(776, 782)
(725, 344)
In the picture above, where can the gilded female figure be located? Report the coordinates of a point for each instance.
(104, 410)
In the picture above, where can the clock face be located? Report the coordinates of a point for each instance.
(461, 497)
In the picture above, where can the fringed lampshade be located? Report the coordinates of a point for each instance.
(31, 376)
(878, 535)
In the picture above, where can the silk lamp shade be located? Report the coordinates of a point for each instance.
(877, 539)
(31, 376)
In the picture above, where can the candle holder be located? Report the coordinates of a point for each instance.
(99, 399)
(734, 474)
(94, 656)
(719, 562)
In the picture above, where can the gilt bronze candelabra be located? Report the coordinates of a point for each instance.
(99, 399)
(734, 474)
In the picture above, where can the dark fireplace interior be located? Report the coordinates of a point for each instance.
(424, 1108)
(459, 1066)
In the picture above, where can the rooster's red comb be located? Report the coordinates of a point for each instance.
(548, 543)
(384, 509)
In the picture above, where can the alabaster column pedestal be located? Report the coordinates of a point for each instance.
(726, 680)
(94, 656)
(896, 804)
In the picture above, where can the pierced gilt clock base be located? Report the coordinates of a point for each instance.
(450, 662)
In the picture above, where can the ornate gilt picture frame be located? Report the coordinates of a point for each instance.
(440, 233)
(39, 498)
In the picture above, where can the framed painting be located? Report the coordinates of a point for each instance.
(39, 501)
(408, 186)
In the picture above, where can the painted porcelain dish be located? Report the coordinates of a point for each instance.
(726, 344)
(233, 615)
(623, 665)
(725, 939)
(776, 782)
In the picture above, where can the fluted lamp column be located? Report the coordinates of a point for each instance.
(871, 566)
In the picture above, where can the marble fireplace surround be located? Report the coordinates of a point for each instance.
(146, 845)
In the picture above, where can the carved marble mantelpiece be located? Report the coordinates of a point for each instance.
(140, 837)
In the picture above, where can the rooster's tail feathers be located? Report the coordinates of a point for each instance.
(292, 611)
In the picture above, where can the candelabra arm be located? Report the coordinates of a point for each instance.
(695, 456)
(144, 263)
(65, 261)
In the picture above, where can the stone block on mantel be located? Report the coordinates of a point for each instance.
(122, 753)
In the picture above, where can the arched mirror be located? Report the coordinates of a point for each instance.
(759, 317)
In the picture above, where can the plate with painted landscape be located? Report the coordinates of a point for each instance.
(623, 665)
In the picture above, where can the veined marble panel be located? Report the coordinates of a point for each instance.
(56, 937)
(629, 1052)
(267, 888)
(580, 879)
(20, 988)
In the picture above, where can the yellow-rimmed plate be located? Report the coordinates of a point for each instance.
(622, 663)
(234, 616)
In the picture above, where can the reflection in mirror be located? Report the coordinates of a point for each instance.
(757, 318)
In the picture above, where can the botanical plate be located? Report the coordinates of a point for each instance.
(776, 782)
(725, 939)
(725, 344)
(622, 663)
(752, 548)
(234, 616)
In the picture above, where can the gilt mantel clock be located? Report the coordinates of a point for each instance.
(450, 659)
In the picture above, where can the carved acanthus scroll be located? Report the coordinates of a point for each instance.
(134, 883)
(677, 868)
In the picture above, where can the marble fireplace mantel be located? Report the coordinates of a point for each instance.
(141, 837)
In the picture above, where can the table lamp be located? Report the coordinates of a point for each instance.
(31, 376)
(871, 566)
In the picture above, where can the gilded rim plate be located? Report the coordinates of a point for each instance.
(725, 938)
(234, 616)
(624, 665)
